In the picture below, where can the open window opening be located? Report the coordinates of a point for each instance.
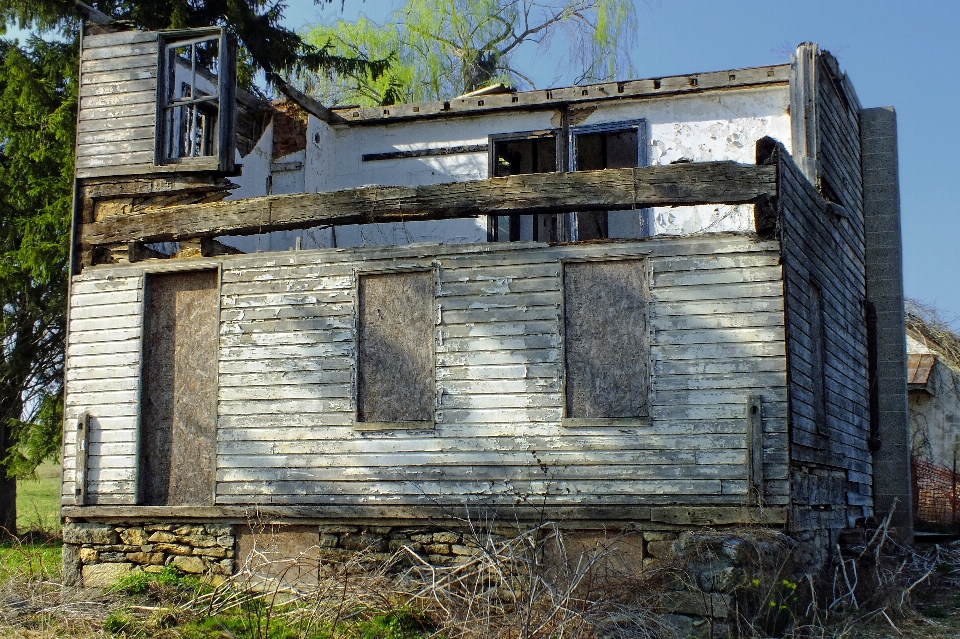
(520, 154)
(615, 145)
(197, 110)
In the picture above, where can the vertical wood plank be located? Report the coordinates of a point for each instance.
(83, 444)
(803, 109)
(755, 447)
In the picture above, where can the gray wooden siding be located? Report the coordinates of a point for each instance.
(118, 103)
(838, 142)
(286, 424)
(831, 471)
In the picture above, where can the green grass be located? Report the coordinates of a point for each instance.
(38, 501)
(27, 560)
(168, 594)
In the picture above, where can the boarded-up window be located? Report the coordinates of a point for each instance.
(605, 339)
(396, 352)
(817, 356)
(179, 393)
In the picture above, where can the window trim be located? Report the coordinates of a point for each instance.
(492, 140)
(607, 422)
(374, 426)
(818, 353)
(225, 138)
(640, 124)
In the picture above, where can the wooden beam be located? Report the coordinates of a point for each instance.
(803, 109)
(574, 96)
(676, 184)
(755, 448)
(646, 517)
(147, 186)
(80, 473)
(307, 103)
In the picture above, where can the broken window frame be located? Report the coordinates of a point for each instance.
(640, 125)
(223, 138)
(359, 422)
(577, 422)
(493, 221)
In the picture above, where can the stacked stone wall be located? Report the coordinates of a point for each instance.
(97, 554)
(705, 593)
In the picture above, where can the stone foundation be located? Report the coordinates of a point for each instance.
(708, 583)
(99, 554)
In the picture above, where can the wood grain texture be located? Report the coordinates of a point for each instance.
(395, 335)
(824, 289)
(102, 382)
(179, 387)
(605, 338)
(554, 98)
(287, 433)
(118, 96)
(697, 183)
(654, 518)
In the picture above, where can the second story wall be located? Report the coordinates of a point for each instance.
(708, 126)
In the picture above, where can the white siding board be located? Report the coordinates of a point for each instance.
(90, 337)
(286, 380)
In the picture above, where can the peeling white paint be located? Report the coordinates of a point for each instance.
(709, 126)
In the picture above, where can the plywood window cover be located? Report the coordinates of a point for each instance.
(380, 426)
(608, 422)
(167, 270)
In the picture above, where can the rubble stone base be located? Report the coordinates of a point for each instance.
(712, 577)
(100, 554)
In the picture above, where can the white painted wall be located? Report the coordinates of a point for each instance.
(935, 416)
(716, 125)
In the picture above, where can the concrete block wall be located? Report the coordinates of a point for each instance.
(884, 274)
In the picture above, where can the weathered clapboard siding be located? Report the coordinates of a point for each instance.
(103, 378)
(287, 383)
(831, 463)
(838, 132)
(118, 103)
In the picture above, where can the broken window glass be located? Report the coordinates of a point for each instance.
(191, 113)
(519, 154)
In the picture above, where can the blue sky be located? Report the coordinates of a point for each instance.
(905, 54)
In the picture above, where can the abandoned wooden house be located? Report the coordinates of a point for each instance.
(648, 305)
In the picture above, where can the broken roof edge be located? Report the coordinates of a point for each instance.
(550, 98)
(935, 335)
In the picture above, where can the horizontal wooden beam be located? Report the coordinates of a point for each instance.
(647, 517)
(675, 184)
(574, 97)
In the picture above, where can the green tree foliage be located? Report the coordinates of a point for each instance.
(38, 99)
(445, 48)
(266, 44)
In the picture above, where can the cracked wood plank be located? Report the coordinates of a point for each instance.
(681, 184)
